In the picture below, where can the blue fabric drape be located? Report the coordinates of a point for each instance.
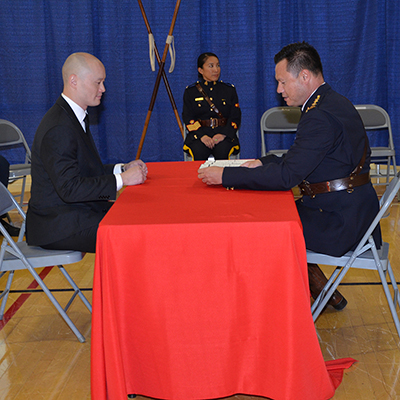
(357, 39)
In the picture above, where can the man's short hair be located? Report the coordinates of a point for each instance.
(77, 63)
(299, 56)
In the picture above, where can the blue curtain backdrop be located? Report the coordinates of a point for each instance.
(358, 41)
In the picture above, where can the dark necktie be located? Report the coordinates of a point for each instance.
(86, 120)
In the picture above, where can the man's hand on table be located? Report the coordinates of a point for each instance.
(135, 173)
(139, 163)
(211, 175)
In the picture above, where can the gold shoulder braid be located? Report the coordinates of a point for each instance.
(313, 104)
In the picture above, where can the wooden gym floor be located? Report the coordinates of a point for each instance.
(40, 358)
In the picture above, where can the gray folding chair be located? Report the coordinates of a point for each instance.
(187, 157)
(18, 255)
(11, 136)
(365, 256)
(375, 118)
(278, 120)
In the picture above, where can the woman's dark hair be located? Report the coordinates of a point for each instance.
(202, 59)
(299, 56)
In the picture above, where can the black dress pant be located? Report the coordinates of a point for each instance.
(220, 151)
(84, 241)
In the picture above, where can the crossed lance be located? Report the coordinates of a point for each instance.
(161, 73)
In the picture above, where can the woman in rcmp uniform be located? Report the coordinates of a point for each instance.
(211, 113)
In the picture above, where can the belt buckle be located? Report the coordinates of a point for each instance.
(213, 122)
(307, 189)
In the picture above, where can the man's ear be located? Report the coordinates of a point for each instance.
(73, 81)
(305, 75)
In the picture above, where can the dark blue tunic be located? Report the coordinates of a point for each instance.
(329, 144)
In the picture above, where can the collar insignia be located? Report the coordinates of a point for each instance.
(313, 104)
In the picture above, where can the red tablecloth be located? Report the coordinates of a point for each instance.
(201, 292)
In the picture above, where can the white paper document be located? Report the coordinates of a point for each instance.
(223, 163)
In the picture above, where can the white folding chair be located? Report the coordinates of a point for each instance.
(18, 256)
(188, 157)
(278, 120)
(375, 118)
(11, 136)
(365, 256)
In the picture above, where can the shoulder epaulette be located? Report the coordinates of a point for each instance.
(228, 84)
(192, 85)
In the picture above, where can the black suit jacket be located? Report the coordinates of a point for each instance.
(329, 144)
(70, 185)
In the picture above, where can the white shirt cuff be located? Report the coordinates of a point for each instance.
(117, 172)
(118, 168)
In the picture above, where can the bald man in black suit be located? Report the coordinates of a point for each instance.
(71, 187)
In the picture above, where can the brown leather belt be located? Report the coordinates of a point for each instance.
(311, 189)
(213, 122)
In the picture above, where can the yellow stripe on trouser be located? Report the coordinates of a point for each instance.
(191, 153)
(189, 150)
(232, 150)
